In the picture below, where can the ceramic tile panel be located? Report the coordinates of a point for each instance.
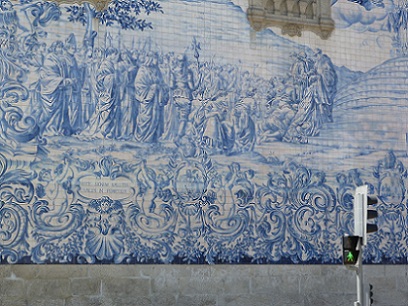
(173, 132)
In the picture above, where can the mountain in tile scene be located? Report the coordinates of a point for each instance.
(366, 109)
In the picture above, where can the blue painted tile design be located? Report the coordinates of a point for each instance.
(125, 153)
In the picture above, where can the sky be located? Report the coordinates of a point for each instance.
(360, 40)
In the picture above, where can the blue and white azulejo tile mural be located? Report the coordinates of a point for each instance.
(169, 132)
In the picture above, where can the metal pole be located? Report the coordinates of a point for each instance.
(359, 277)
(367, 295)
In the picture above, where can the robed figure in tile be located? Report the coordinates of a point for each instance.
(328, 83)
(152, 94)
(55, 88)
(102, 123)
(310, 115)
(126, 117)
(74, 103)
(182, 85)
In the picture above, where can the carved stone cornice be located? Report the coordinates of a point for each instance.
(99, 5)
(292, 16)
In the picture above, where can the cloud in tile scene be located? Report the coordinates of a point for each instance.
(367, 16)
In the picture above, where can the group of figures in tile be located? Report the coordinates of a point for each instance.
(129, 95)
(141, 95)
(179, 197)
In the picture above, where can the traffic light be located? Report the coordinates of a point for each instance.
(351, 250)
(369, 295)
(362, 213)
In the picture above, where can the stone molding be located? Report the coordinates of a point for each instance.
(292, 16)
(99, 5)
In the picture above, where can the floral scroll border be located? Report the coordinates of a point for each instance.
(293, 215)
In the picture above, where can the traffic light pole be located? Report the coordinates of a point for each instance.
(360, 278)
(353, 245)
(359, 224)
(358, 268)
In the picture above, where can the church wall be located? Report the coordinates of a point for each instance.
(191, 158)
